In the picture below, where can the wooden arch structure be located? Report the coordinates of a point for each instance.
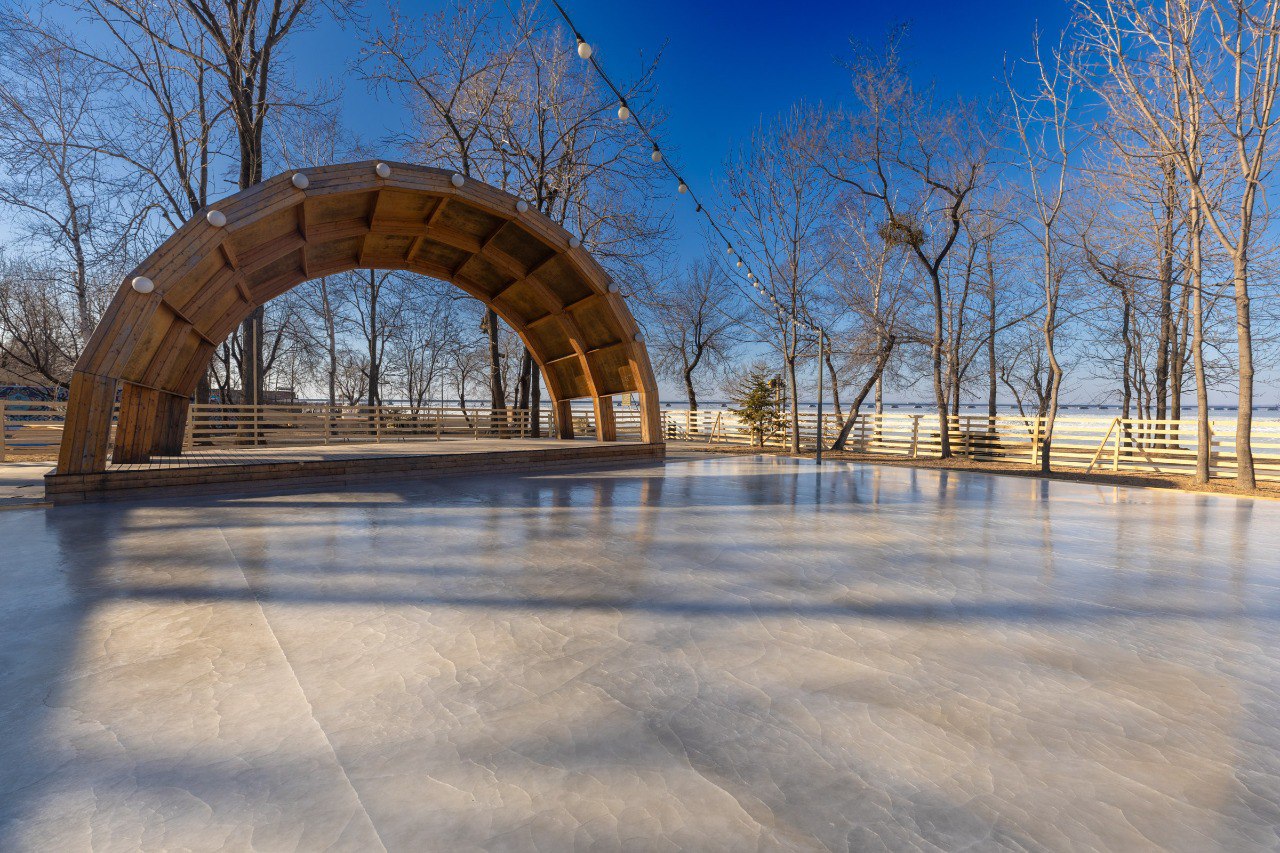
(153, 348)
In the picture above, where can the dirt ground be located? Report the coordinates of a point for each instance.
(1268, 490)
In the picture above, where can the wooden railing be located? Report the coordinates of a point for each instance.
(1093, 443)
(34, 429)
(214, 425)
(30, 429)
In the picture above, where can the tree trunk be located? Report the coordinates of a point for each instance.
(375, 371)
(1197, 347)
(251, 352)
(497, 393)
(939, 389)
(1245, 477)
(793, 395)
(1055, 369)
(872, 381)
(535, 400)
(689, 390)
(991, 354)
(835, 381)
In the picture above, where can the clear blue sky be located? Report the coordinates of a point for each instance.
(725, 66)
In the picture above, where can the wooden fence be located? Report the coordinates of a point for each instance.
(1079, 441)
(34, 429)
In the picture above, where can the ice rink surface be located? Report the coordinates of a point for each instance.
(727, 654)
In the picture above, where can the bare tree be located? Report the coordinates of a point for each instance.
(53, 175)
(1042, 116)
(1194, 77)
(922, 163)
(779, 202)
(693, 321)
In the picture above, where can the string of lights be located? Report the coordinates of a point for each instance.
(626, 112)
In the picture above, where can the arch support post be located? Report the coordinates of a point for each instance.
(171, 425)
(650, 418)
(564, 419)
(136, 430)
(606, 423)
(85, 434)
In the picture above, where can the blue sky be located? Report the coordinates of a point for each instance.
(725, 66)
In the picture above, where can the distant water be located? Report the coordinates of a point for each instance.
(1110, 410)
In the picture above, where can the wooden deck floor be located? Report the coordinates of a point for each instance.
(202, 457)
(227, 469)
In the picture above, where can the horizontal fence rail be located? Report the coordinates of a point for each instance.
(1090, 443)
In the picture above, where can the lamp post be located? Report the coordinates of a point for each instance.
(822, 336)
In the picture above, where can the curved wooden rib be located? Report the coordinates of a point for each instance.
(155, 347)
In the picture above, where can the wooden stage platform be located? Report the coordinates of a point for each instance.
(230, 469)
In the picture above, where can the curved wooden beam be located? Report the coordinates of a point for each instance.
(153, 348)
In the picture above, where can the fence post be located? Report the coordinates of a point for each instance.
(915, 434)
(4, 426)
(1115, 451)
(1213, 456)
(1035, 442)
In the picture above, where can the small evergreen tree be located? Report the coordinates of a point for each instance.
(756, 395)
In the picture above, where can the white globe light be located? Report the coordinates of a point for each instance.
(728, 250)
(382, 170)
(300, 181)
(457, 180)
(142, 284)
(613, 287)
(584, 49)
(216, 218)
(684, 188)
(624, 112)
(522, 206)
(656, 156)
(574, 242)
(639, 338)
(739, 264)
(751, 276)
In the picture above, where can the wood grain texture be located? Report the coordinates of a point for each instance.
(208, 280)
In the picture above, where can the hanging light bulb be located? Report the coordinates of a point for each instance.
(751, 276)
(656, 156)
(683, 188)
(739, 264)
(624, 112)
(584, 49)
(728, 250)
